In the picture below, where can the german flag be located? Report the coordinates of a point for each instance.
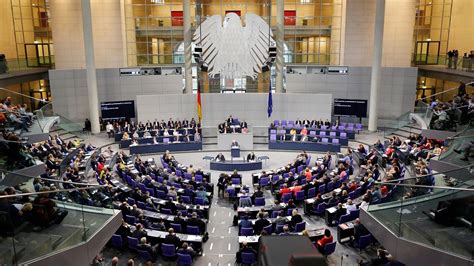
(199, 106)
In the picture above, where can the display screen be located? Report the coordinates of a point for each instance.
(350, 107)
(117, 110)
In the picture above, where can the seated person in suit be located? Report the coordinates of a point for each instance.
(159, 225)
(144, 245)
(220, 158)
(340, 210)
(245, 201)
(359, 230)
(186, 249)
(243, 124)
(280, 220)
(235, 174)
(171, 238)
(139, 232)
(245, 223)
(260, 224)
(251, 157)
(304, 134)
(257, 194)
(195, 221)
(325, 240)
(202, 194)
(286, 231)
(295, 218)
(244, 249)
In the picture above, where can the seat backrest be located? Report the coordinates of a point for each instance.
(354, 214)
(322, 188)
(192, 230)
(260, 201)
(268, 229)
(300, 226)
(168, 250)
(329, 248)
(176, 227)
(248, 258)
(345, 218)
(364, 241)
(246, 231)
(117, 240)
(132, 242)
(300, 194)
(184, 259)
(321, 207)
(144, 254)
(276, 213)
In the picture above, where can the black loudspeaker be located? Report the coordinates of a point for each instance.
(204, 68)
(266, 68)
(3, 64)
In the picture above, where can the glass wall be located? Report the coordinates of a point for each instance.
(38, 89)
(155, 27)
(154, 30)
(34, 42)
(312, 31)
(155, 34)
(431, 32)
(444, 90)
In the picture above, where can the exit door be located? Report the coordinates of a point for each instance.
(38, 54)
(427, 52)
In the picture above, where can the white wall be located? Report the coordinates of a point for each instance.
(69, 89)
(397, 37)
(397, 95)
(251, 107)
(397, 91)
(66, 25)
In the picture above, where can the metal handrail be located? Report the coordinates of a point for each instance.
(441, 92)
(432, 174)
(50, 191)
(425, 186)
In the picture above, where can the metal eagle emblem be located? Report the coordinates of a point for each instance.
(232, 50)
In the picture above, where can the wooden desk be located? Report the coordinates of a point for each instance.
(345, 230)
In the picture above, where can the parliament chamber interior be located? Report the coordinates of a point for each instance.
(236, 132)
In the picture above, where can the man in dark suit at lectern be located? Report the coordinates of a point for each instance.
(235, 143)
(220, 158)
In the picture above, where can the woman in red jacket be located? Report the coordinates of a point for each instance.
(325, 240)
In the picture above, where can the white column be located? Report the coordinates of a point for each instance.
(92, 94)
(376, 64)
(280, 33)
(188, 75)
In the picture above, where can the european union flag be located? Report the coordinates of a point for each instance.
(270, 101)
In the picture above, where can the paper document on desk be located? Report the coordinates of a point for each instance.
(192, 238)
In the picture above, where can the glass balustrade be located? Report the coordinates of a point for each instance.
(47, 223)
(437, 217)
